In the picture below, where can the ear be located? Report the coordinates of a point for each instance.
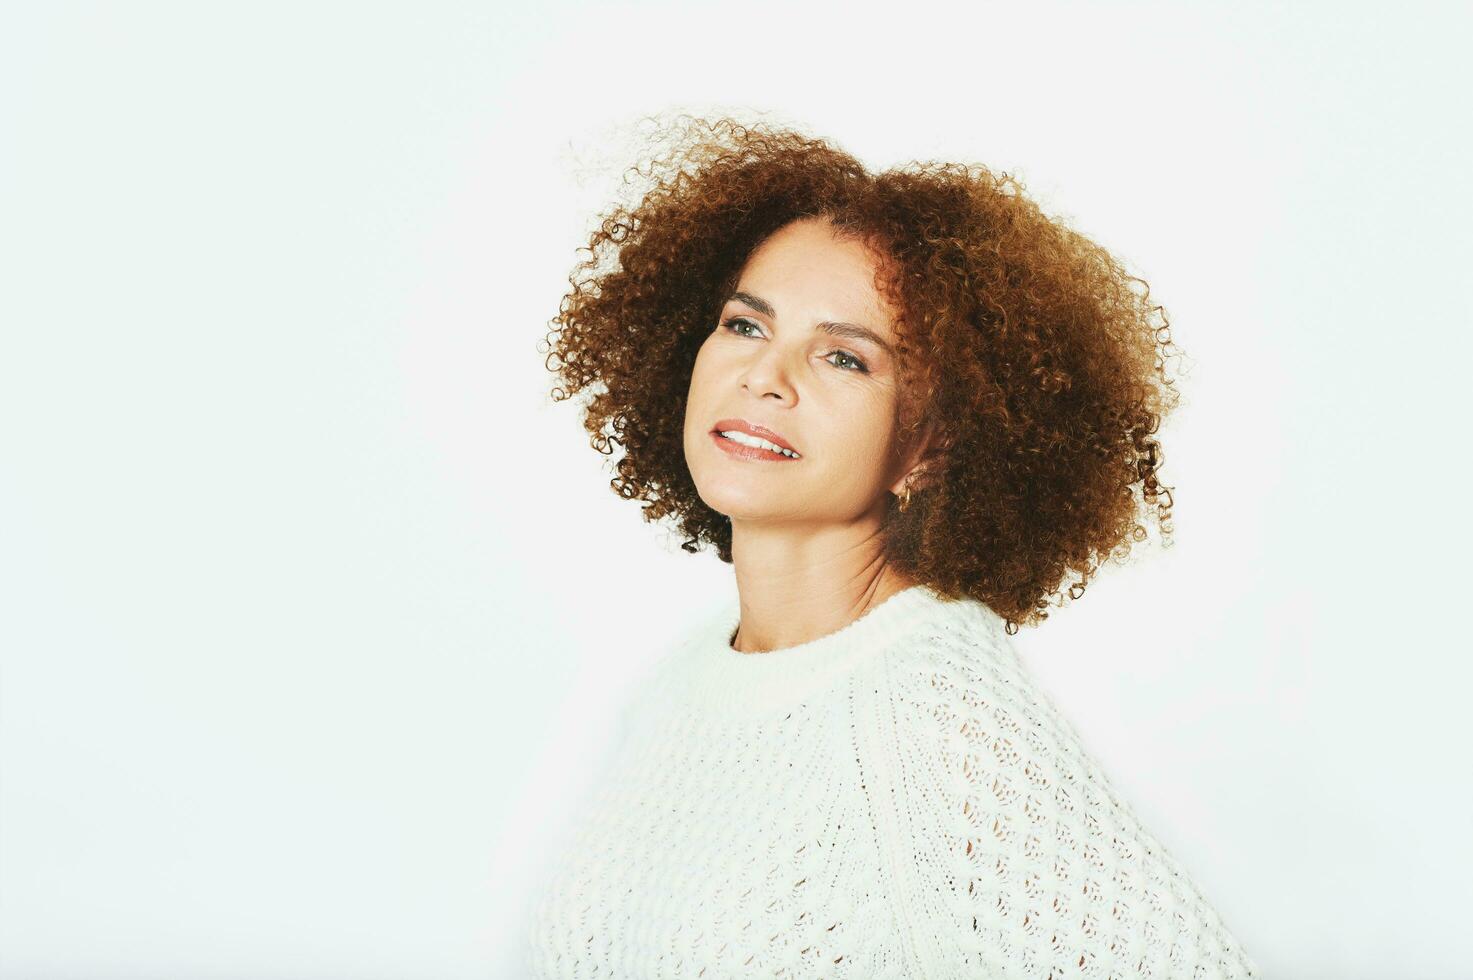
(916, 461)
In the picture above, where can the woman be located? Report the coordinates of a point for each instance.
(902, 406)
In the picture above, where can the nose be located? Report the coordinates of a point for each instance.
(767, 373)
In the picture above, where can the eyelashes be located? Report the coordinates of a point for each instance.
(732, 322)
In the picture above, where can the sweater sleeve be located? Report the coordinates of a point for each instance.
(1015, 857)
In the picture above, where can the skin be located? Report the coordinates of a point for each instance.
(807, 533)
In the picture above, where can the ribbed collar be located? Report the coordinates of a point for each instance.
(728, 683)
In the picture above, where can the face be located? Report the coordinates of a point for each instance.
(829, 393)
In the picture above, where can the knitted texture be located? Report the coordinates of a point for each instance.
(897, 799)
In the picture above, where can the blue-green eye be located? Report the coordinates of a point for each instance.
(738, 320)
(734, 324)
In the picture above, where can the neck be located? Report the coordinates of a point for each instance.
(790, 595)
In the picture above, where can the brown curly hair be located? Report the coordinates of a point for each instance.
(1023, 340)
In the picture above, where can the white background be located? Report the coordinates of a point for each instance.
(314, 607)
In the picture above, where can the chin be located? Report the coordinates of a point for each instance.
(737, 505)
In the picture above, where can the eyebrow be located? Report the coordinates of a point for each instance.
(836, 328)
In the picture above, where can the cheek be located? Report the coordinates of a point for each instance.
(712, 372)
(698, 392)
(875, 445)
(706, 356)
(869, 408)
(699, 364)
(860, 431)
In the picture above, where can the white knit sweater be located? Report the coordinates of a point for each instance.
(897, 799)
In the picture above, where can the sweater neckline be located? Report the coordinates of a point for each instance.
(734, 683)
(871, 625)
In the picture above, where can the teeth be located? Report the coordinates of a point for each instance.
(747, 440)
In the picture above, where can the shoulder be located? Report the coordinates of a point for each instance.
(1023, 841)
(961, 655)
(966, 704)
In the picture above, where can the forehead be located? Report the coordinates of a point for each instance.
(805, 268)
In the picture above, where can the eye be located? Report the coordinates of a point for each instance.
(861, 368)
(738, 321)
(734, 325)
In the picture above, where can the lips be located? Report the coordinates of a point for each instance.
(741, 450)
(753, 429)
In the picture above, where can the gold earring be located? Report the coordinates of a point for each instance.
(905, 496)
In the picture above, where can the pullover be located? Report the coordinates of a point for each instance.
(895, 799)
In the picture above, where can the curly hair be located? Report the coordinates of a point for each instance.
(1021, 341)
